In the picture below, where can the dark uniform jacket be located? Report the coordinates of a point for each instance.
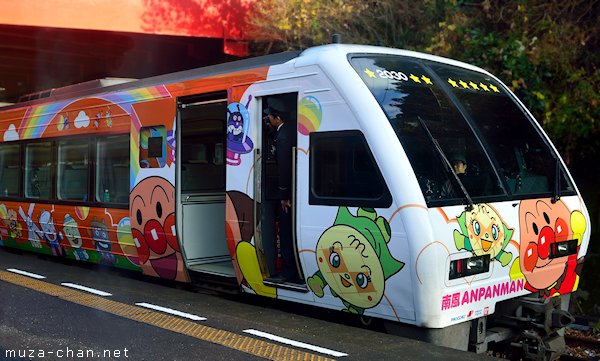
(285, 139)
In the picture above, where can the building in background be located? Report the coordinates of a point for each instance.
(53, 43)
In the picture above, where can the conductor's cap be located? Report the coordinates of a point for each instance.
(274, 107)
(458, 157)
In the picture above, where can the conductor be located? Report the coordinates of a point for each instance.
(283, 143)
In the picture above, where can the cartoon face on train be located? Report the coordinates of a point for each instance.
(48, 233)
(544, 223)
(72, 232)
(153, 226)
(482, 232)
(354, 259)
(100, 236)
(235, 124)
(14, 227)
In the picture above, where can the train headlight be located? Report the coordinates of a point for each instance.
(469, 266)
(562, 249)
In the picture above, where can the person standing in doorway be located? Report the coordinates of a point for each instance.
(284, 141)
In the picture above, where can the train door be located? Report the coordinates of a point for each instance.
(271, 221)
(201, 183)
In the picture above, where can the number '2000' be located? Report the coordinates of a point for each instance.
(387, 74)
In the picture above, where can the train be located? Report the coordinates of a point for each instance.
(424, 193)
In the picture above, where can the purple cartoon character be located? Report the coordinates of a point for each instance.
(235, 124)
(49, 234)
(238, 142)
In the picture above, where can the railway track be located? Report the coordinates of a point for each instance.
(581, 345)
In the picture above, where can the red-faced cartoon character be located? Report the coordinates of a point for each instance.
(542, 225)
(153, 228)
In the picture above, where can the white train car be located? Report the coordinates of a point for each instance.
(424, 192)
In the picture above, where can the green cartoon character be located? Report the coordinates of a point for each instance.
(482, 231)
(354, 260)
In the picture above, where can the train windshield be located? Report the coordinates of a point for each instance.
(464, 135)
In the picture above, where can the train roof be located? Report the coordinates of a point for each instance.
(335, 50)
(93, 87)
(318, 54)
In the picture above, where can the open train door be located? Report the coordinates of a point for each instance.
(201, 137)
(270, 218)
(251, 199)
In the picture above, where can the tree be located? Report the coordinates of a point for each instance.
(547, 52)
(298, 24)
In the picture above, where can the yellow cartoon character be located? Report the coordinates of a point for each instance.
(354, 260)
(9, 218)
(482, 231)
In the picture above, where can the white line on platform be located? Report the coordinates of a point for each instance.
(86, 289)
(296, 343)
(25, 273)
(171, 311)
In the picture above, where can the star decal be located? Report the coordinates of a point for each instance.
(494, 89)
(426, 80)
(463, 84)
(473, 85)
(414, 78)
(370, 73)
(453, 83)
(484, 87)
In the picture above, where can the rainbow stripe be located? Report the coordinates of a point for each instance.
(37, 118)
(310, 115)
(127, 98)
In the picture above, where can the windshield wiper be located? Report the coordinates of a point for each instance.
(556, 193)
(449, 167)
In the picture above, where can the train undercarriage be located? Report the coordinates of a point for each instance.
(524, 328)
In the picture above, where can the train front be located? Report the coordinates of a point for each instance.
(502, 241)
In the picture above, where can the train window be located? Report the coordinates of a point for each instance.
(343, 171)
(202, 146)
(112, 169)
(73, 170)
(10, 170)
(431, 130)
(153, 147)
(526, 162)
(38, 170)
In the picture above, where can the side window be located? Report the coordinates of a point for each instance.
(38, 170)
(73, 173)
(343, 172)
(112, 169)
(10, 170)
(153, 147)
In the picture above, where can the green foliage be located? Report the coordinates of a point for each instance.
(546, 52)
(596, 328)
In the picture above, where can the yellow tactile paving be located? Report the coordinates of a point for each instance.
(175, 324)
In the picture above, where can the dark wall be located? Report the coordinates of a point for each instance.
(34, 59)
